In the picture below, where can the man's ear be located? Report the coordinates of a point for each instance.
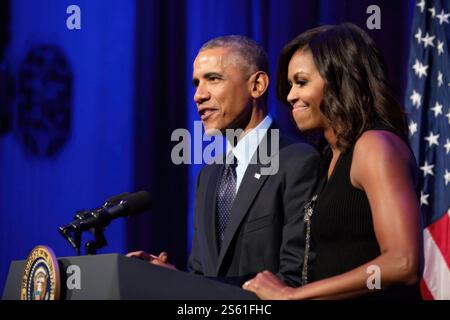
(259, 82)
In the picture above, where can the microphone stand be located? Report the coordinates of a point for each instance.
(98, 242)
(72, 233)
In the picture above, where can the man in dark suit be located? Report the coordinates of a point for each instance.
(249, 210)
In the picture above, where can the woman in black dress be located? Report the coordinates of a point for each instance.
(365, 227)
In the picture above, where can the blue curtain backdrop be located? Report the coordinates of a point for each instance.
(131, 68)
(40, 192)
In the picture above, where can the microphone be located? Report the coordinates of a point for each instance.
(83, 214)
(122, 205)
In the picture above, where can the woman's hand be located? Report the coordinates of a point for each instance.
(268, 287)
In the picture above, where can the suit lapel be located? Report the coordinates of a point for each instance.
(210, 213)
(248, 190)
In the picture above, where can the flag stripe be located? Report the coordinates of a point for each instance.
(440, 231)
(436, 273)
(426, 294)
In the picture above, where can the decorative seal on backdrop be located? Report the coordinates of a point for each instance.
(44, 100)
(41, 279)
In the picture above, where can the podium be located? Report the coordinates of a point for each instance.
(116, 277)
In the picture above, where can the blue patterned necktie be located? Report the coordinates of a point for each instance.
(226, 192)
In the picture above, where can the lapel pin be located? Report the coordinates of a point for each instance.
(257, 176)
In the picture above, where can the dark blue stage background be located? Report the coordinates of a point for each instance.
(86, 114)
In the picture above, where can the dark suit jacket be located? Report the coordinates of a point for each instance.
(266, 230)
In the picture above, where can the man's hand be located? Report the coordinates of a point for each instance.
(160, 260)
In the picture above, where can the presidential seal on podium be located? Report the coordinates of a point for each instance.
(41, 279)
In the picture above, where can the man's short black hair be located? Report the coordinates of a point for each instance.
(249, 50)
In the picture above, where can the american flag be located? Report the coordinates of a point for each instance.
(428, 106)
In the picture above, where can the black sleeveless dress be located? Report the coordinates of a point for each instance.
(342, 231)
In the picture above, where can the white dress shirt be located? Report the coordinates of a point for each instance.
(246, 148)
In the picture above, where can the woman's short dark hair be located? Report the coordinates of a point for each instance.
(356, 90)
